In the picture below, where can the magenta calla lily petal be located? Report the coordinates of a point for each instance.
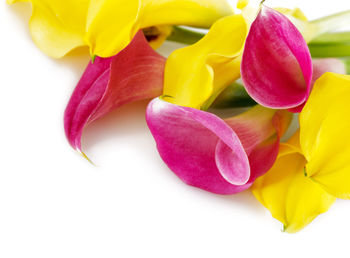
(187, 140)
(135, 73)
(276, 64)
(259, 130)
(207, 152)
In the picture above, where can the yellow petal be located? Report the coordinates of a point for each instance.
(15, 1)
(225, 73)
(57, 26)
(191, 72)
(241, 4)
(292, 198)
(324, 134)
(107, 26)
(295, 141)
(156, 35)
(197, 13)
(295, 13)
(111, 26)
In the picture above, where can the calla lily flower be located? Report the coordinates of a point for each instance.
(276, 64)
(136, 73)
(312, 169)
(220, 156)
(277, 70)
(292, 198)
(108, 26)
(196, 74)
(323, 134)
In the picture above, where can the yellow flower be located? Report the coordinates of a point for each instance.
(197, 73)
(324, 138)
(108, 26)
(313, 168)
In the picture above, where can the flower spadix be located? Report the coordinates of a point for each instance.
(312, 169)
(135, 73)
(107, 26)
(276, 64)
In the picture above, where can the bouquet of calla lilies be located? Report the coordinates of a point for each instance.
(271, 61)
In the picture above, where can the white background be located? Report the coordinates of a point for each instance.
(53, 203)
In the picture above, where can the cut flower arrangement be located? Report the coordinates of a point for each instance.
(272, 61)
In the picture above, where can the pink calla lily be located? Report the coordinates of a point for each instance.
(276, 64)
(220, 156)
(136, 73)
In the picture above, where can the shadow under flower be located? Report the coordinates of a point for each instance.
(127, 122)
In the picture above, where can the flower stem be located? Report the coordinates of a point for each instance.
(325, 24)
(332, 38)
(234, 96)
(185, 36)
(331, 45)
(330, 50)
(332, 22)
(347, 65)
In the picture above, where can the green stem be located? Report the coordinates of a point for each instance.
(185, 36)
(330, 50)
(332, 22)
(347, 65)
(332, 38)
(234, 96)
(325, 24)
(331, 45)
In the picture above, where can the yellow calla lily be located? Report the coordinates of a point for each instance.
(292, 198)
(107, 26)
(324, 139)
(313, 168)
(57, 27)
(195, 73)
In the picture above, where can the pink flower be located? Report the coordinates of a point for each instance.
(220, 156)
(276, 65)
(135, 73)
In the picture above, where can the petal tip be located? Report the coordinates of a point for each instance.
(85, 157)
